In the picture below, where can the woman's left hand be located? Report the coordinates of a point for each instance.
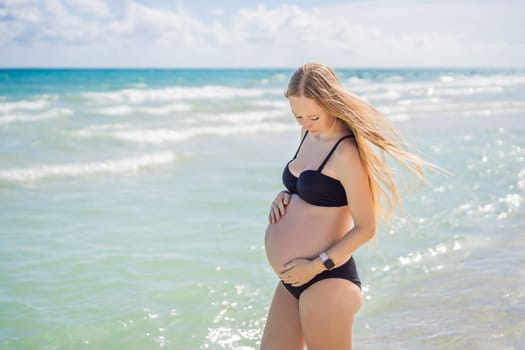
(299, 271)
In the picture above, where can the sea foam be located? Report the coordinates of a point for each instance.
(126, 165)
(51, 114)
(157, 110)
(7, 107)
(138, 96)
(157, 136)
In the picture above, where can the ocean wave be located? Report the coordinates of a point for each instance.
(159, 110)
(8, 107)
(85, 169)
(464, 91)
(482, 80)
(248, 116)
(385, 95)
(281, 104)
(166, 109)
(423, 107)
(393, 91)
(357, 80)
(242, 122)
(169, 135)
(93, 129)
(446, 85)
(51, 114)
(138, 96)
(116, 110)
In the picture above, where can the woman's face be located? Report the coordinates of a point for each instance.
(310, 115)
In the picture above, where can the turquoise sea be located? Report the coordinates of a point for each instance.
(133, 205)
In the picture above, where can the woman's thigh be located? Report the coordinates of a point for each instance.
(283, 328)
(327, 310)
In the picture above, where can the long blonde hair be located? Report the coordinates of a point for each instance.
(320, 83)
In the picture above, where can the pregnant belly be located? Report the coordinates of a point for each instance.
(304, 232)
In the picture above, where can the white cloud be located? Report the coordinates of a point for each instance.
(277, 35)
(95, 8)
(144, 24)
(217, 11)
(281, 26)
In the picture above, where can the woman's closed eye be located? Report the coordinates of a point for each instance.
(313, 118)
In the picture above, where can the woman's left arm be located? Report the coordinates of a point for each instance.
(354, 178)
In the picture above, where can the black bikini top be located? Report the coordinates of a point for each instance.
(315, 187)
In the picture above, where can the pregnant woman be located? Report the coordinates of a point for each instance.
(334, 186)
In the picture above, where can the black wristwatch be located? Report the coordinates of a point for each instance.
(328, 263)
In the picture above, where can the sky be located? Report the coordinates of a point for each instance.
(253, 34)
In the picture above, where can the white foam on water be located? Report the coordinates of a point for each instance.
(138, 96)
(446, 85)
(358, 81)
(465, 91)
(282, 104)
(168, 135)
(123, 110)
(51, 114)
(166, 109)
(247, 116)
(85, 169)
(33, 105)
(482, 80)
(446, 78)
(405, 102)
(422, 107)
(386, 95)
(399, 117)
(116, 110)
(95, 130)
(425, 89)
(215, 124)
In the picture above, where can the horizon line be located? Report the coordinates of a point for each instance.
(249, 68)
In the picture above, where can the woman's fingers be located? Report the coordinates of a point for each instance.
(286, 198)
(274, 217)
(278, 207)
(274, 214)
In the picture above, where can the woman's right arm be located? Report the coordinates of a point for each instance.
(278, 208)
(282, 199)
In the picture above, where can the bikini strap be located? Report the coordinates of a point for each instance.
(298, 148)
(332, 151)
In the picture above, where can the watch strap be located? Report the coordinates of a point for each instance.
(327, 262)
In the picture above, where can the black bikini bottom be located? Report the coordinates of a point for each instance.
(347, 271)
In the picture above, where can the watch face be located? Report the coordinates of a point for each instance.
(329, 264)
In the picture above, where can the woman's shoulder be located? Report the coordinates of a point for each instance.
(347, 152)
(348, 163)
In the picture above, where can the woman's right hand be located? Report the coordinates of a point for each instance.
(279, 204)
